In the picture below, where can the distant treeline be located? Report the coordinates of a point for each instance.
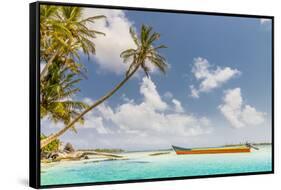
(263, 143)
(104, 150)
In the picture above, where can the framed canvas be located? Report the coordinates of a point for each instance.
(121, 94)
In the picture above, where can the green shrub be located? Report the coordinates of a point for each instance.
(51, 147)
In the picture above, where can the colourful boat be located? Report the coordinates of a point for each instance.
(212, 150)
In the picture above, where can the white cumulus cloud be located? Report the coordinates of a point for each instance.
(209, 78)
(151, 96)
(136, 123)
(168, 95)
(238, 114)
(117, 39)
(177, 106)
(149, 117)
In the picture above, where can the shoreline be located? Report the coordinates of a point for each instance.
(93, 156)
(102, 157)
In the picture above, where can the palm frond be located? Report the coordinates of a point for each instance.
(144, 52)
(134, 36)
(92, 19)
(152, 38)
(145, 69)
(159, 47)
(159, 63)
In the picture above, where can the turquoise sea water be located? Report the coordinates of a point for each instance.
(142, 166)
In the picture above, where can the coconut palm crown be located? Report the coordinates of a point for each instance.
(57, 90)
(64, 33)
(145, 51)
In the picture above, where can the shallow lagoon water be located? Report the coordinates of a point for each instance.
(142, 166)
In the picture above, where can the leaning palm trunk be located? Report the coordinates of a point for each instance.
(53, 137)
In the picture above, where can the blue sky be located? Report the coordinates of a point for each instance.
(225, 60)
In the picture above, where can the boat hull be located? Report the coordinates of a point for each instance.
(212, 150)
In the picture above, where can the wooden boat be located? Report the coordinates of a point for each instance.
(212, 150)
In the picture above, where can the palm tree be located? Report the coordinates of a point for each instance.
(57, 89)
(145, 53)
(78, 28)
(53, 35)
(64, 33)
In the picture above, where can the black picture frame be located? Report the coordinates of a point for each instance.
(34, 96)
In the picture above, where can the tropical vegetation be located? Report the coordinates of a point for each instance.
(51, 147)
(65, 46)
(57, 89)
(63, 33)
